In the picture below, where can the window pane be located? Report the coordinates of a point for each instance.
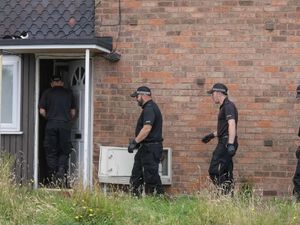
(7, 94)
(10, 94)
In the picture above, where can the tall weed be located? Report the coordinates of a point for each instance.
(24, 206)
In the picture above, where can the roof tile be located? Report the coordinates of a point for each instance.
(23, 3)
(50, 8)
(51, 35)
(61, 8)
(61, 23)
(66, 15)
(50, 22)
(34, 29)
(23, 14)
(55, 15)
(18, 20)
(2, 4)
(39, 35)
(45, 15)
(12, 28)
(18, 9)
(67, 28)
(39, 8)
(83, 8)
(56, 2)
(39, 22)
(2, 17)
(44, 29)
(72, 8)
(23, 26)
(34, 15)
(28, 20)
(45, 3)
(55, 29)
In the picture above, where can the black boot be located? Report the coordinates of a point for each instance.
(149, 189)
(137, 191)
(160, 190)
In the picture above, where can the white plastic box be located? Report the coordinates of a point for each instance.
(115, 165)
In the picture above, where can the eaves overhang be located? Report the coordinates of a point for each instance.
(95, 45)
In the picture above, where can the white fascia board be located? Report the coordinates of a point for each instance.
(37, 47)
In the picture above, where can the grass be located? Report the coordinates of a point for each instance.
(24, 206)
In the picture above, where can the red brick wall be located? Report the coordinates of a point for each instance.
(179, 49)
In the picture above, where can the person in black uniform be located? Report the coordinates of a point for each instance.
(221, 165)
(296, 178)
(148, 140)
(57, 105)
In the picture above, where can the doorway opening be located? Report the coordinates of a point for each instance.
(73, 73)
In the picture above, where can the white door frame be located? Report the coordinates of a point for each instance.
(87, 180)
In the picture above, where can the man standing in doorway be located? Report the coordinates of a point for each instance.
(57, 106)
(296, 178)
(148, 140)
(221, 165)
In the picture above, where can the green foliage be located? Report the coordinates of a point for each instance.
(246, 190)
(21, 205)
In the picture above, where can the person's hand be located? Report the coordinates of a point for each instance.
(132, 145)
(207, 138)
(231, 149)
(298, 152)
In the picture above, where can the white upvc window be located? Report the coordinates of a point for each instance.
(10, 94)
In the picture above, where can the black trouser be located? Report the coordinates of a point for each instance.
(221, 167)
(57, 144)
(145, 169)
(296, 180)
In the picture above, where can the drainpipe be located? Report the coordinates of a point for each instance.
(86, 142)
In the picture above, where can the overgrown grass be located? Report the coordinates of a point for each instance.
(24, 206)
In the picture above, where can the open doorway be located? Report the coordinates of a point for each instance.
(73, 73)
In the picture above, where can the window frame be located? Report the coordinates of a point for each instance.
(15, 125)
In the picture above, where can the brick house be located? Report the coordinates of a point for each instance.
(61, 40)
(179, 48)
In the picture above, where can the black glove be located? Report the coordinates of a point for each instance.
(132, 145)
(298, 152)
(208, 137)
(299, 132)
(231, 149)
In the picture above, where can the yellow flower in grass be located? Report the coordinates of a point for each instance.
(91, 214)
(91, 210)
(77, 217)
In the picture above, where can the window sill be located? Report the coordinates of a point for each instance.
(11, 132)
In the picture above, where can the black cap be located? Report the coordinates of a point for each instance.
(219, 88)
(56, 78)
(143, 90)
(298, 92)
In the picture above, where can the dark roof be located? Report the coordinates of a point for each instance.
(102, 44)
(55, 19)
